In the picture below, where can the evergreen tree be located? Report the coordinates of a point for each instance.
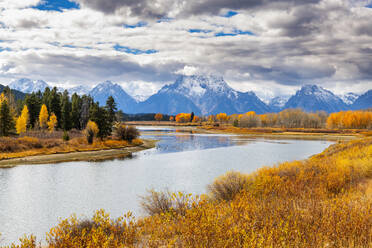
(76, 106)
(111, 110)
(99, 115)
(66, 112)
(12, 104)
(55, 104)
(6, 120)
(86, 102)
(46, 97)
(34, 105)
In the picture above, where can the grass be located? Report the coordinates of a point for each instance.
(324, 201)
(12, 147)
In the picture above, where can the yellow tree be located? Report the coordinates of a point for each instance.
(43, 116)
(222, 117)
(22, 121)
(91, 131)
(158, 117)
(2, 97)
(25, 113)
(20, 125)
(52, 123)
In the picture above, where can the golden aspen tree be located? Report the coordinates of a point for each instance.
(158, 117)
(22, 121)
(52, 123)
(21, 125)
(91, 131)
(43, 116)
(2, 97)
(222, 117)
(25, 114)
(196, 119)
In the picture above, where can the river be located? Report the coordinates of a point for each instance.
(34, 197)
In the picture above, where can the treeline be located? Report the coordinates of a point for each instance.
(289, 118)
(52, 109)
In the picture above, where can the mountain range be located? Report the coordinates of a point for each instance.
(205, 95)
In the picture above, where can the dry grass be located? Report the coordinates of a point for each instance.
(226, 187)
(11, 147)
(325, 201)
(277, 130)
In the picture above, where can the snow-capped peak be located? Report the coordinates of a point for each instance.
(80, 90)
(27, 85)
(197, 86)
(316, 91)
(278, 101)
(349, 98)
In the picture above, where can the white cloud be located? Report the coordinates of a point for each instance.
(326, 42)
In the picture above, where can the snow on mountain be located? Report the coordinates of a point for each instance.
(80, 90)
(349, 98)
(277, 103)
(124, 101)
(27, 85)
(205, 95)
(364, 101)
(312, 98)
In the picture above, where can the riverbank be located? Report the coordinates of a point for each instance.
(279, 133)
(93, 155)
(265, 132)
(322, 201)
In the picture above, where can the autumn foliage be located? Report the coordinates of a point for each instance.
(158, 117)
(91, 131)
(324, 201)
(183, 118)
(350, 120)
(52, 123)
(43, 116)
(222, 117)
(22, 121)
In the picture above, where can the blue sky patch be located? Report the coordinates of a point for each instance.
(5, 49)
(234, 33)
(138, 25)
(56, 5)
(69, 46)
(203, 31)
(134, 51)
(165, 19)
(230, 13)
(369, 5)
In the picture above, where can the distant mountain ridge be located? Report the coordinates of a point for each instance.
(205, 95)
(313, 98)
(26, 85)
(276, 104)
(349, 98)
(363, 102)
(124, 101)
(17, 94)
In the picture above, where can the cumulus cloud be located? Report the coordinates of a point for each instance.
(269, 46)
(173, 8)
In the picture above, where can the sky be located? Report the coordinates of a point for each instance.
(270, 47)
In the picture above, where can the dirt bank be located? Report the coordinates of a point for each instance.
(78, 156)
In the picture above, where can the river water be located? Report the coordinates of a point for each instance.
(34, 197)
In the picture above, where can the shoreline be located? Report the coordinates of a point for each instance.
(89, 156)
(287, 135)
